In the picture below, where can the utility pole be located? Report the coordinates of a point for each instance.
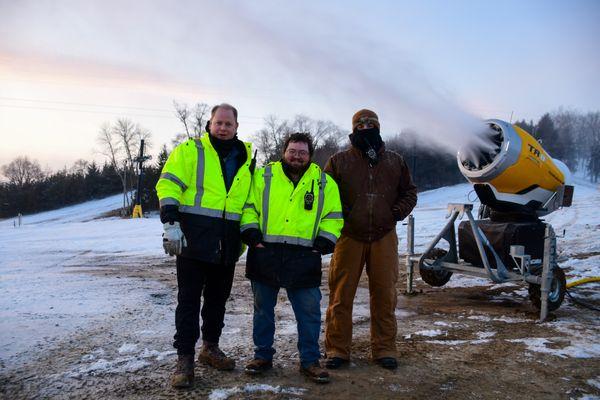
(141, 158)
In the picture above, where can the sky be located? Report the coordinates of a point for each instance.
(437, 67)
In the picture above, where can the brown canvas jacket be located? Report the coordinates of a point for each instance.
(373, 198)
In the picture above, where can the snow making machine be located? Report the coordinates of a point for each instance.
(517, 182)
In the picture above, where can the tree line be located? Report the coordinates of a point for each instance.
(572, 137)
(569, 136)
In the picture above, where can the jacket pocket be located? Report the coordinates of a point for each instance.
(203, 236)
(262, 264)
(301, 269)
(383, 218)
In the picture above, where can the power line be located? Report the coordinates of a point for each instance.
(82, 111)
(243, 117)
(84, 104)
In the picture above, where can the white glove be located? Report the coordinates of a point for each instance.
(173, 239)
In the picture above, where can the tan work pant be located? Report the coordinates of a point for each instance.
(381, 259)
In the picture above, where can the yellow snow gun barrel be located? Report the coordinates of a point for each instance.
(511, 172)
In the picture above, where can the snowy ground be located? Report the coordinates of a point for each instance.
(98, 294)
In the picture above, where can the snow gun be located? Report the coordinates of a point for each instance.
(511, 172)
(517, 182)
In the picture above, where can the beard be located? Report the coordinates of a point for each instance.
(296, 167)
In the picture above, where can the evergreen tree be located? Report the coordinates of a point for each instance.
(548, 135)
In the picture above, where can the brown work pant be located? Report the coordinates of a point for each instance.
(381, 259)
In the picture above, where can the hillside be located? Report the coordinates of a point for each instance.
(88, 304)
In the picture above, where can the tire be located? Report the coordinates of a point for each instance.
(435, 278)
(557, 291)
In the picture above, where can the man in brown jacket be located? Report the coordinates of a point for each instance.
(376, 192)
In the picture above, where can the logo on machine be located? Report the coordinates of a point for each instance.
(536, 152)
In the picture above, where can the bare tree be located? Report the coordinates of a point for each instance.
(320, 130)
(79, 167)
(201, 116)
(566, 124)
(269, 140)
(119, 143)
(22, 171)
(193, 120)
(590, 136)
(129, 136)
(326, 136)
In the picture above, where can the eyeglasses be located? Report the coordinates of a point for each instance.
(301, 153)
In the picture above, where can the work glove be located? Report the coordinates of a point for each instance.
(251, 237)
(173, 239)
(323, 246)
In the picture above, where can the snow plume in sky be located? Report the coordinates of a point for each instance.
(353, 71)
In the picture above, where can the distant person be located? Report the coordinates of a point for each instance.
(292, 217)
(376, 192)
(202, 190)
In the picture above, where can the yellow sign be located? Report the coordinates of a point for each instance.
(137, 211)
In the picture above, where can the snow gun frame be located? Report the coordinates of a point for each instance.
(546, 281)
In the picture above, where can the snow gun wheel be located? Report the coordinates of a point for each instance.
(431, 277)
(556, 295)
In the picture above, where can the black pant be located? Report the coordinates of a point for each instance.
(196, 278)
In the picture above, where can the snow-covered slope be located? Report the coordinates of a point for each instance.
(42, 295)
(76, 213)
(45, 296)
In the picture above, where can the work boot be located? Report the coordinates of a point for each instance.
(258, 366)
(213, 356)
(387, 362)
(183, 377)
(315, 373)
(335, 362)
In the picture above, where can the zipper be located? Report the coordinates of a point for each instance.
(370, 195)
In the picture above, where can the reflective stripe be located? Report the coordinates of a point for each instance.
(334, 215)
(265, 200)
(199, 175)
(327, 235)
(248, 205)
(320, 204)
(209, 212)
(287, 240)
(249, 226)
(170, 177)
(168, 201)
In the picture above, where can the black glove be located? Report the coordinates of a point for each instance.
(323, 246)
(169, 214)
(251, 237)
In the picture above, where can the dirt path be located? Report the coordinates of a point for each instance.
(454, 343)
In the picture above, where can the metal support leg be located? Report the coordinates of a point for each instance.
(410, 244)
(549, 252)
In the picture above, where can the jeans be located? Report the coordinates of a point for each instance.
(306, 306)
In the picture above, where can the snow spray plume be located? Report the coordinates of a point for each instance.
(402, 95)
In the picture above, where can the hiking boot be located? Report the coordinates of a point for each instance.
(183, 377)
(258, 366)
(387, 362)
(335, 362)
(213, 356)
(315, 373)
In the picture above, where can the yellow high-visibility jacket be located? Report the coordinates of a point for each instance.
(277, 208)
(289, 226)
(192, 179)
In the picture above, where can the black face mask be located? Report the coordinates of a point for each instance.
(368, 141)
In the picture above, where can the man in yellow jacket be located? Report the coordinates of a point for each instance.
(292, 217)
(202, 191)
